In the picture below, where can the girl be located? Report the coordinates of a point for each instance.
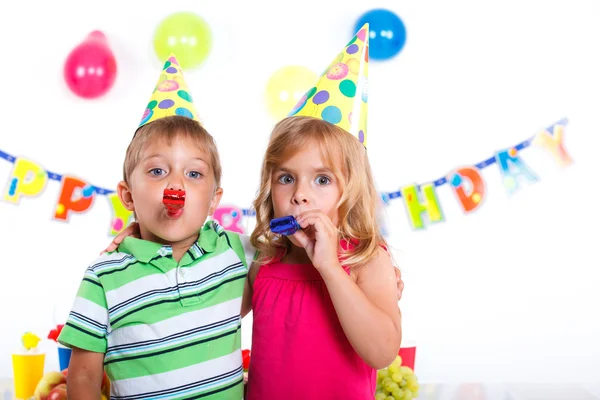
(325, 315)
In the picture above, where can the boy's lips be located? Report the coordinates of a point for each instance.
(174, 213)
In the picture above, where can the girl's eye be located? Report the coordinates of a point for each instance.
(194, 174)
(286, 179)
(323, 180)
(157, 171)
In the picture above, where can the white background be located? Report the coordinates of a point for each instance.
(508, 293)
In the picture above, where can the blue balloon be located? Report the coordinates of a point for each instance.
(387, 33)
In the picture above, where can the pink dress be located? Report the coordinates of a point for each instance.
(299, 350)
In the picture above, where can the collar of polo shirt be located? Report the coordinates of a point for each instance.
(145, 251)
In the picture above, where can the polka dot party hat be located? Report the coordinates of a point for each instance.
(170, 96)
(340, 95)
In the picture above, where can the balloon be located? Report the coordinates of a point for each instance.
(387, 33)
(285, 87)
(186, 35)
(90, 69)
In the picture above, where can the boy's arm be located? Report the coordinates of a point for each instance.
(86, 370)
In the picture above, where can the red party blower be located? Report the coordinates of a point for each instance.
(174, 199)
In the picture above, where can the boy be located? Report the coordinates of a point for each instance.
(162, 314)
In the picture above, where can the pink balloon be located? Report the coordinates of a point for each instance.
(90, 69)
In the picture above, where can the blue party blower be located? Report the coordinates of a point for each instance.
(284, 225)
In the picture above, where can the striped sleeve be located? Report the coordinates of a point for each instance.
(87, 325)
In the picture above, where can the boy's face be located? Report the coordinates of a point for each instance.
(303, 183)
(182, 166)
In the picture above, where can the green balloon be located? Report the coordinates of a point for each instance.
(186, 35)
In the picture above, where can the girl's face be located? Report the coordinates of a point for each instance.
(303, 182)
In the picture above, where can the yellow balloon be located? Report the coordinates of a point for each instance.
(285, 87)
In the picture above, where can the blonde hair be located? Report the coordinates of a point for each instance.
(169, 128)
(358, 207)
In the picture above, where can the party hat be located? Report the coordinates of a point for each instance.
(340, 95)
(170, 96)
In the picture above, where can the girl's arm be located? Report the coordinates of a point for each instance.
(132, 230)
(368, 309)
(86, 370)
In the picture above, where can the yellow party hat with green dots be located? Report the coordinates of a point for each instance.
(340, 95)
(171, 95)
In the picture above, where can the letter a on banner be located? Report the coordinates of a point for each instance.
(511, 168)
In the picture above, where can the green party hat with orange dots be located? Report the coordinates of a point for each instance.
(340, 95)
(170, 96)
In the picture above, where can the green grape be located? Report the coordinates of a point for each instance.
(380, 396)
(394, 368)
(413, 387)
(397, 393)
(397, 361)
(406, 370)
(389, 387)
(397, 377)
(397, 382)
(383, 373)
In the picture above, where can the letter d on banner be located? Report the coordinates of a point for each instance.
(468, 186)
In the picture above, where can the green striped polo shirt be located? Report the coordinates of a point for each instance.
(168, 330)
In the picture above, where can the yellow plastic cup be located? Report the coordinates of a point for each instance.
(28, 369)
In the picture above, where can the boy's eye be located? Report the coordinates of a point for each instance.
(157, 171)
(285, 179)
(194, 174)
(322, 180)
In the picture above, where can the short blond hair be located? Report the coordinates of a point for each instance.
(358, 207)
(169, 128)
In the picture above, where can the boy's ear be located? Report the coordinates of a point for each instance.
(214, 203)
(124, 193)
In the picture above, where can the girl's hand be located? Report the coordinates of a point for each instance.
(132, 230)
(319, 237)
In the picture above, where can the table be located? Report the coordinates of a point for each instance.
(509, 391)
(467, 391)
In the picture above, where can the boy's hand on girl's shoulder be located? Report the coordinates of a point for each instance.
(132, 230)
(399, 282)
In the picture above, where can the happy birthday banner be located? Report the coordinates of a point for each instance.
(29, 179)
